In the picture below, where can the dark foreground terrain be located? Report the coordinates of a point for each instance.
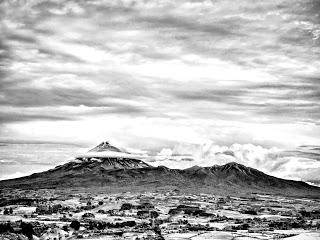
(51, 214)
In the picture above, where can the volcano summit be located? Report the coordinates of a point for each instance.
(108, 157)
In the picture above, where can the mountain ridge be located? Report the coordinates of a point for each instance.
(108, 167)
(227, 177)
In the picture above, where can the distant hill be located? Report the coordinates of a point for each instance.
(121, 173)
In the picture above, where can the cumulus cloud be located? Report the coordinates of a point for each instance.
(302, 163)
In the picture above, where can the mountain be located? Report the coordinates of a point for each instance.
(105, 156)
(228, 178)
(102, 169)
(105, 146)
(105, 163)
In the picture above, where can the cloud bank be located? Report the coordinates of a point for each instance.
(151, 75)
(302, 163)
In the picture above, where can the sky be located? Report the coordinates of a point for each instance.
(186, 82)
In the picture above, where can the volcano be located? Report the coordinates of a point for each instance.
(106, 166)
(106, 156)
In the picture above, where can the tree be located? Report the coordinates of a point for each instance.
(126, 206)
(154, 214)
(88, 215)
(6, 211)
(101, 225)
(92, 225)
(6, 227)
(75, 225)
(244, 226)
(27, 229)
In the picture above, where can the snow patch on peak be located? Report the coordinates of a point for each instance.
(105, 146)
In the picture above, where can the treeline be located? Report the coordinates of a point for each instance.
(100, 225)
(24, 228)
(189, 210)
(20, 201)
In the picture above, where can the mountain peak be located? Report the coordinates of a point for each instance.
(105, 146)
(194, 168)
(234, 165)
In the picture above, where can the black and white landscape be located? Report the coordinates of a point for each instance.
(207, 113)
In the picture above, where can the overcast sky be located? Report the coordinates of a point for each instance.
(162, 76)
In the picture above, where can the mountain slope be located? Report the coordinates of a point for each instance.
(101, 163)
(135, 174)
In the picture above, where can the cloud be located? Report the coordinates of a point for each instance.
(165, 152)
(156, 74)
(13, 175)
(302, 163)
(24, 158)
(21, 117)
(7, 162)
